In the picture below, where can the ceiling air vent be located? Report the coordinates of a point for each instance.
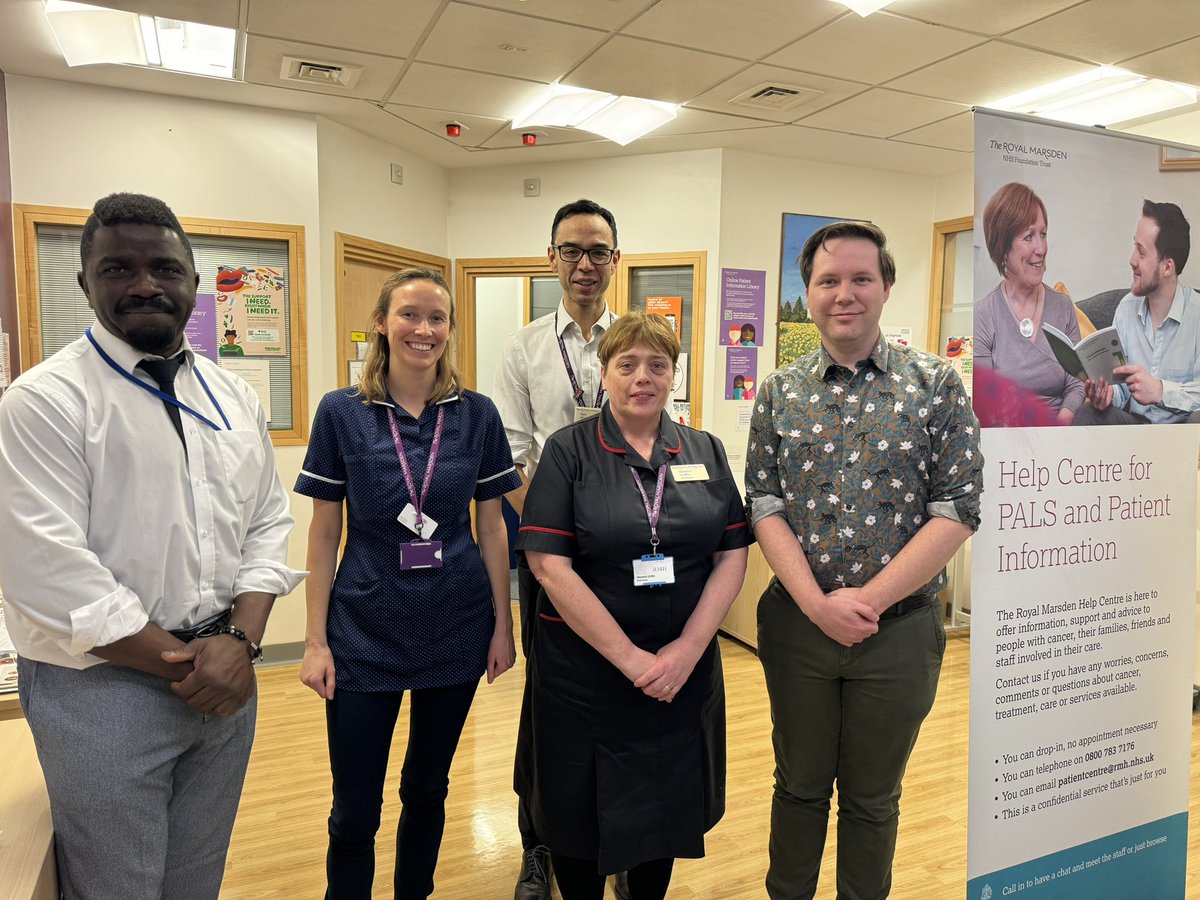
(324, 73)
(772, 96)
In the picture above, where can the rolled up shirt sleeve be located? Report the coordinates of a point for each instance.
(57, 588)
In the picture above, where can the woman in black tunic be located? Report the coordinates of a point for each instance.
(635, 529)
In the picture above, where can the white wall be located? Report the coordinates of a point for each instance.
(71, 144)
(499, 311)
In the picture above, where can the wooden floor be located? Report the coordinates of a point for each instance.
(279, 841)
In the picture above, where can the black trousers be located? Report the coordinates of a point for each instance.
(578, 879)
(360, 726)
(527, 595)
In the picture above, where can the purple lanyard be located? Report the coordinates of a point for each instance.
(418, 500)
(576, 390)
(652, 512)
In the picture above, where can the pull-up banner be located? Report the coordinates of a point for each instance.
(1083, 585)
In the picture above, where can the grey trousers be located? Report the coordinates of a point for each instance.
(143, 789)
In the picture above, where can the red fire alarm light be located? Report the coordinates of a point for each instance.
(529, 139)
(453, 129)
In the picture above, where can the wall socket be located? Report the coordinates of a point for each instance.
(533, 187)
(397, 173)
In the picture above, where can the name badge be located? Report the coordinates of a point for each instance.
(408, 518)
(421, 555)
(653, 569)
(585, 412)
(694, 472)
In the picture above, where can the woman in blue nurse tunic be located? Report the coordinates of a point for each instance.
(415, 604)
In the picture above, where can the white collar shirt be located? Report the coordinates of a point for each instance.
(108, 525)
(532, 389)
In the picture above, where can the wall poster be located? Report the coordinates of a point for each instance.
(250, 311)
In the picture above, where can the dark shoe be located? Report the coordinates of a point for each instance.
(621, 885)
(534, 882)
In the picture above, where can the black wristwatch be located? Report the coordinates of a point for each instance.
(255, 650)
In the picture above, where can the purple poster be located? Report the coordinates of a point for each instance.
(743, 306)
(201, 329)
(741, 373)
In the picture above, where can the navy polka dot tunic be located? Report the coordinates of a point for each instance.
(389, 629)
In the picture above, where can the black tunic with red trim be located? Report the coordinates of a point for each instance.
(611, 773)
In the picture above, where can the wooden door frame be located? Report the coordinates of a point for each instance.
(466, 273)
(942, 232)
(352, 248)
(698, 261)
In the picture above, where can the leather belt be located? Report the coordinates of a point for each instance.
(905, 606)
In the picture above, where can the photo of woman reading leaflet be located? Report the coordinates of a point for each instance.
(1008, 321)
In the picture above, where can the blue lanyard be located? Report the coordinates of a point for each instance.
(166, 398)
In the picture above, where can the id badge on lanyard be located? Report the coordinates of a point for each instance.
(420, 554)
(653, 569)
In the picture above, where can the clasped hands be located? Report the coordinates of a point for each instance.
(844, 616)
(663, 674)
(222, 678)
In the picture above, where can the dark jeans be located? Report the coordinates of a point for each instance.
(527, 594)
(844, 714)
(578, 879)
(360, 726)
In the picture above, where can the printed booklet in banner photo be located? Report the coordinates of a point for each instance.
(1093, 357)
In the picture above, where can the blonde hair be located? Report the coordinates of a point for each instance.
(638, 327)
(372, 385)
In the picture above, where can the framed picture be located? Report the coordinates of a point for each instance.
(797, 333)
(1178, 159)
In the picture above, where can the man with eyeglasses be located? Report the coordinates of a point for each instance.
(549, 376)
(145, 540)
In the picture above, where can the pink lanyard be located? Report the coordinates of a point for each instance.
(652, 512)
(418, 500)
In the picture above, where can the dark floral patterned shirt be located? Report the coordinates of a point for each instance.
(858, 461)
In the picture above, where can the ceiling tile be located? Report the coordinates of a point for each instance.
(695, 121)
(207, 12)
(955, 133)
(1178, 63)
(831, 91)
(881, 113)
(264, 61)
(506, 138)
(1108, 31)
(985, 74)
(872, 50)
(371, 26)
(724, 27)
(984, 16)
(607, 14)
(539, 50)
(639, 68)
(471, 93)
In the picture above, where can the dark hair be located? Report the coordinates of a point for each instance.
(130, 209)
(372, 383)
(583, 207)
(835, 230)
(1174, 239)
(1012, 209)
(229, 331)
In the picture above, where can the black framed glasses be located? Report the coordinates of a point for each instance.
(600, 256)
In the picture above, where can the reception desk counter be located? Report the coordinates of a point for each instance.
(27, 870)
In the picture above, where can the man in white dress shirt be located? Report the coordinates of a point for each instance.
(549, 376)
(145, 540)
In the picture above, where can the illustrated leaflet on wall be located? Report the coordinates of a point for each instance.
(250, 318)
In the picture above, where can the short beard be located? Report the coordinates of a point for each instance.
(158, 341)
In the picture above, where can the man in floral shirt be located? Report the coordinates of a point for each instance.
(863, 475)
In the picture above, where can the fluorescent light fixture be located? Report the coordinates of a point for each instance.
(562, 107)
(1102, 96)
(620, 119)
(628, 118)
(89, 35)
(864, 7)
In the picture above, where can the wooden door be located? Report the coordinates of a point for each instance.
(362, 266)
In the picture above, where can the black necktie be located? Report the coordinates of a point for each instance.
(164, 371)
